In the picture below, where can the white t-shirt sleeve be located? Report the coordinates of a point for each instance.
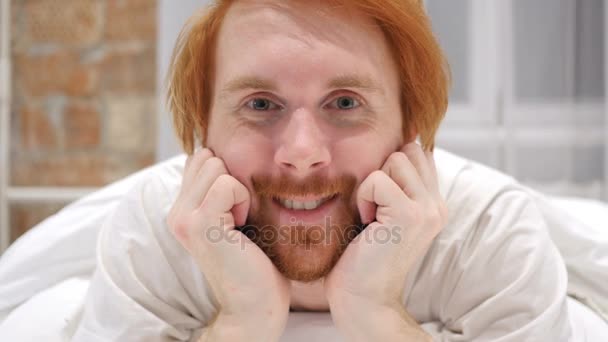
(508, 281)
(145, 287)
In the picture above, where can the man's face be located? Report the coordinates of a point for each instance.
(305, 106)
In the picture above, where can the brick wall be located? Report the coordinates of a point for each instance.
(84, 95)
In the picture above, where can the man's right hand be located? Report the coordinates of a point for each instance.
(252, 293)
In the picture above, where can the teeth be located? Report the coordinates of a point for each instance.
(296, 205)
(311, 205)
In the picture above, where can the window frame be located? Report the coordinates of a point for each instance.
(5, 96)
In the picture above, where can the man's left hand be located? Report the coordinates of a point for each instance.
(405, 211)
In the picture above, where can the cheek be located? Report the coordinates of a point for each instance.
(359, 157)
(363, 155)
(244, 156)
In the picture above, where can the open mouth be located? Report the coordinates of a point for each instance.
(293, 204)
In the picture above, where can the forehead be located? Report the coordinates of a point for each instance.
(306, 18)
(268, 35)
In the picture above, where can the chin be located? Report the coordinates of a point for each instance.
(306, 262)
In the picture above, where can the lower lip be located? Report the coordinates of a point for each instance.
(306, 217)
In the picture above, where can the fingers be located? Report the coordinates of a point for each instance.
(377, 192)
(194, 163)
(420, 160)
(225, 205)
(406, 176)
(195, 191)
(227, 194)
(207, 183)
(399, 168)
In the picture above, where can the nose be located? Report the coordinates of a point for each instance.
(303, 147)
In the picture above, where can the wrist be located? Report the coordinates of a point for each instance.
(364, 320)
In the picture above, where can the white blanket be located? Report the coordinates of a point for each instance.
(44, 275)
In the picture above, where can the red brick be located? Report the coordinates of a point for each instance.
(56, 73)
(129, 71)
(83, 81)
(68, 22)
(67, 50)
(15, 29)
(78, 168)
(82, 125)
(24, 216)
(82, 169)
(37, 130)
(123, 113)
(129, 20)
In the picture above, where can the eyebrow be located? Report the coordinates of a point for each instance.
(249, 82)
(355, 81)
(342, 81)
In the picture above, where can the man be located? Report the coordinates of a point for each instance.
(311, 193)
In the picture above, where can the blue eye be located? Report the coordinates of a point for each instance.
(261, 104)
(346, 103)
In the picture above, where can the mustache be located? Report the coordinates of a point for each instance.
(283, 186)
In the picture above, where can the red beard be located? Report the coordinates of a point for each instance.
(303, 252)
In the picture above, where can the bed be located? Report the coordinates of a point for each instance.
(45, 274)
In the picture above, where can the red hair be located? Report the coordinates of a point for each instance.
(423, 69)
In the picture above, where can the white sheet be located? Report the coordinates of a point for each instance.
(580, 232)
(52, 316)
(44, 275)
